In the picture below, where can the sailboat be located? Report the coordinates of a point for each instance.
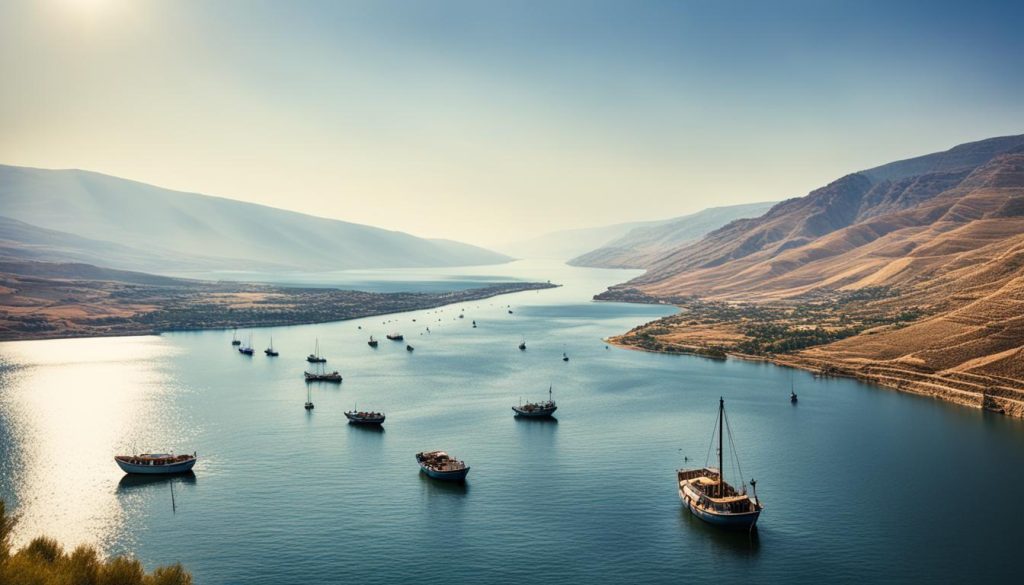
(536, 409)
(315, 357)
(309, 399)
(321, 375)
(270, 351)
(234, 337)
(372, 342)
(522, 344)
(565, 357)
(707, 495)
(247, 349)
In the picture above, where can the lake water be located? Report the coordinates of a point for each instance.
(860, 484)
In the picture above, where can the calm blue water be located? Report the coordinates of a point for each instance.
(861, 484)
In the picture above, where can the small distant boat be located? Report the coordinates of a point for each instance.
(315, 357)
(439, 465)
(323, 376)
(461, 316)
(234, 338)
(309, 399)
(474, 324)
(270, 351)
(247, 349)
(707, 495)
(510, 311)
(395, 336)
(155, 463)
(792, 397)
(537, 409)
(360, 417)
(565, 358)
(372, 342)
(409, 347)
(522, 344)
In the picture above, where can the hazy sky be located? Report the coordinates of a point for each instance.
(492, 121)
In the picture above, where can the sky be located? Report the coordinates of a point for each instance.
(491, 122)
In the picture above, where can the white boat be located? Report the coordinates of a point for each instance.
(155, 463)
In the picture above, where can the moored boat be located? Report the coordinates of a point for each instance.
(156, 463)
(372, 342)
(247, 349)
(395, 336)
(234, 337)
(315, 357)
(792, 397)
(536, 409)
(361, 417)
(309, 398)
(323, 376)
(409, 347)
(709, 497)
(439, 465)
(270, 351)
(522, 344)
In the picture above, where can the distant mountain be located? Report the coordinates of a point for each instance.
(644, 244)
(125, 223)
(566, 244)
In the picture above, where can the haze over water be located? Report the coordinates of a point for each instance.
(860, 484)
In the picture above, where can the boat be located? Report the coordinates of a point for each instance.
(315, 357)
(474, 324)
(309, 398)
(510, 311)
(409, 347)
(536, 409)
(522, 344)
(565, 358)
(270, 351)
(156, 463)
(372, 342)
(709, 497)
(234, 337)
(439, 465)
(792, 397)
(361, 417)
(323, 376)
(395, 336)
(247, 349)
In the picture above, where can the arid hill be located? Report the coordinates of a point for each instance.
(946, 246)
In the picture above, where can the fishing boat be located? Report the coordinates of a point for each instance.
(247, 349)
(309, 398)
(234, 337)
(270, 351)
(709, 497)
(315, 357)
(395, 336)
(372, 342)
(323, 376)
(361, 417)
(155, 463)
(536, 409)
(439, 465)
(522, 344)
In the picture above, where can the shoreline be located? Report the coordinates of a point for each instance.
(241, 305)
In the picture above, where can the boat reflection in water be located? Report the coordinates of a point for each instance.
(131, 481)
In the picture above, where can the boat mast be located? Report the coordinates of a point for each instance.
(721, 470)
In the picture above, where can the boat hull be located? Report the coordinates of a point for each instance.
(744, 521)
(364, 421)
(173, 468)
(459, 475)
(545, 413)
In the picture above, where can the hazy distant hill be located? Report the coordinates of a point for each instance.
(162, 228)
(566, 244)
(643, 244)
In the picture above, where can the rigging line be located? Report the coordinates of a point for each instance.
(711, 444)
(735, 455)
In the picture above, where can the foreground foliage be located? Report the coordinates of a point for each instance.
(45, 562)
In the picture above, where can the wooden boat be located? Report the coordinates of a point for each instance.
(360, 417)
(323, 376)
(565, 358)
(315, 357)
(709, 497)
(395, 336)
(234, 337)
(439, 465)
(309, 398)
(372, 342)
(522, 344)
(536, 409)
(156, 463)
(270, 351)
(409, 347)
